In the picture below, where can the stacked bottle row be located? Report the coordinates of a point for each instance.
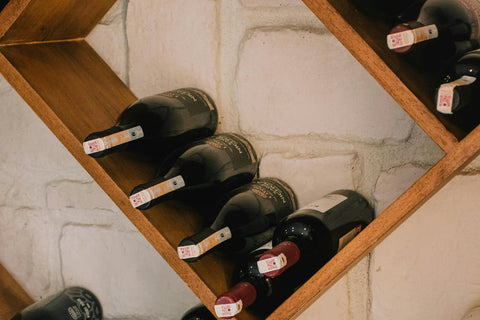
(441, 38)
(257, 221)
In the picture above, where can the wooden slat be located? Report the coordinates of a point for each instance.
(412, 89)
(12, 296)
(75, 93)
(41, 20)
(382, 226)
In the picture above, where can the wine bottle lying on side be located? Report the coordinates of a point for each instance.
(253, 290)
(70, 304)
(219, 163)
(155, 125)
(245, 222)
(315, 233)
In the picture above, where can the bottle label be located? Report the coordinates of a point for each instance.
(194, 251)
(342, 242)
(275, 190)
(236, 147)
(229, 309)
(326, 203)
(272, 264)
(113, 140)
(446, 92)
(191, 97)
(410, 37)
(156, 191)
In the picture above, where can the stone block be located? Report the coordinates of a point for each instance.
(128, 275)
(272, 3)
(392, 183)
(311, 178)
(77, 194)
(300, 82)
(429, 267)
(172, 44)
(347, 299)
(109, 40)
(28, 247)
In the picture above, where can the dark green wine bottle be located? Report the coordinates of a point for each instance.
(245, 222)
(314, 234)
(218, 164)
(157, 124)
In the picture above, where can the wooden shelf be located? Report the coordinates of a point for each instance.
(12, 297)
(74, 92)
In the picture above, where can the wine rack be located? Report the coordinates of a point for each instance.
(44, 56)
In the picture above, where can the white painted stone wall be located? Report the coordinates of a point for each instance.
(317, 118)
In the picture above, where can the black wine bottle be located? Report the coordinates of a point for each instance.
(392, 11)
(253, 290)
(217, 164)
(447, 21)
(157, 124)
(199, 312)
(73, 303)
(462, 93)
(314, 234)
(245, 222)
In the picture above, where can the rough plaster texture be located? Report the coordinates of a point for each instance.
(276, 75)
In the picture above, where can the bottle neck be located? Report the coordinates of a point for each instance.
(403, 37)
(278, 259)
(192, 248)
(144, 196)
(101, 143)
(235, 300)
(455, 96)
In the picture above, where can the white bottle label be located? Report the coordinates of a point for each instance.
(326, 203)
(113, 140)
(446, 91)
(194, 251)
(156, 191)
(343, 241)
(410, 37)
(272, 264)
(228, 309)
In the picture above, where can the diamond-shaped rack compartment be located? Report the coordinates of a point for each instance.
(44, 56)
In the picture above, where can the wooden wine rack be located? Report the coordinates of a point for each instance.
(44, 56)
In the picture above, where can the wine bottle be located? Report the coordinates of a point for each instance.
(316, 232)
(393, 11)
(72, 303)
(199, 312)
(452, 97)
(218, 164)
(447, 21)
(245, 222)
(253, 290)
(157, 124)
